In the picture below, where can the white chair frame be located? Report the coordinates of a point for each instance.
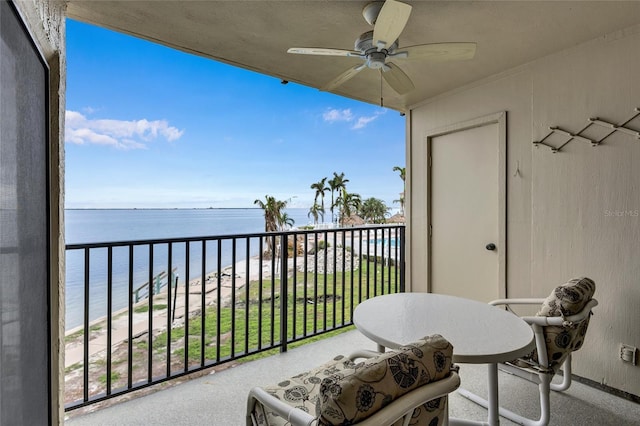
(401, 408)
(538, 374)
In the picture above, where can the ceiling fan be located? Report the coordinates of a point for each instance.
(378, 47)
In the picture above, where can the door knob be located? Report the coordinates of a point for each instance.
(491, 247)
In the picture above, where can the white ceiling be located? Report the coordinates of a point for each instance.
(256, 35)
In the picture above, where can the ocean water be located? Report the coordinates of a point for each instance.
(99, 226)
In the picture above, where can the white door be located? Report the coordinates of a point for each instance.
(467, 243)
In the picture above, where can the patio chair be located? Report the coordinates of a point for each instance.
(559, 329)
(408, 386)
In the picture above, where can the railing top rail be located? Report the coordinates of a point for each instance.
(80, 246)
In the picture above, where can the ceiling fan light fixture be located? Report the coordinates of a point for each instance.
(375, 60)
(371, 11)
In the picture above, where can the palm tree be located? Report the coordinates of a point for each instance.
(373, 210)
(403, 175)
(273, 212)
(336, 184)
(348, 204)
(316, 211)
(285, 221)
(272, 208)
(320, 188)
(401, 201)
(402, 170)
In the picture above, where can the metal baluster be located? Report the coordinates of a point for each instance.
(203, 299)
(169, 310)
(324, 281)
(150, 320)
(233, 297)
(85, 379)
(261, 249)
(305, 283)
(295, 285)
(187, 281)
(130, 323)
(284, 291)
(218, 300)
(247, 303)
(401, 263)
(109, 315)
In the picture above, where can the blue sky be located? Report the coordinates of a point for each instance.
(148, 126)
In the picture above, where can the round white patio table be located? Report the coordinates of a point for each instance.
(480, 333)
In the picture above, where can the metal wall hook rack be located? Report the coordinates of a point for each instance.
(613, 128)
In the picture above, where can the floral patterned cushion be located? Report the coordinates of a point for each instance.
(300, 391)
(565, 300)
(342, 392)
(569, 298)
(357, 393)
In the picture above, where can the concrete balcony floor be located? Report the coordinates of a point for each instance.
(220, 398)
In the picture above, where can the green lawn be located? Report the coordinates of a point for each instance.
(327, 304)
(318, 306)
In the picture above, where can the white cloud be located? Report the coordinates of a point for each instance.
(333, 115)
(346, 115)
(363, 121)
(122, 134)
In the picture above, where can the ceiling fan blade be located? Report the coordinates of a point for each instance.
(391, 21)
(397, 79)
(342, 78)
(437, 52)
(324, 51)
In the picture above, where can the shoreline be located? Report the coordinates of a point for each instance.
(200, 295)
(195, 285)
(74, 347)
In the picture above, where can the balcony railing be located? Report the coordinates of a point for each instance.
(144, 312)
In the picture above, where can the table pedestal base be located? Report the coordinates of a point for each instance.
(491, 404)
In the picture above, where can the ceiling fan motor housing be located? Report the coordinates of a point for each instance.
(375, 58)
(364, 44)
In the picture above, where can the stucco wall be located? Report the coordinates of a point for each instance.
(571, 213)
(46, 22)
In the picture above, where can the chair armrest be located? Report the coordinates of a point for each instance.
(293, 415)
(560, 321)
(363, 353)
(521, 301)
(391, 413)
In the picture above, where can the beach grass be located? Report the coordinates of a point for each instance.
(73, 336)
(73, 367)
(114, 377)
(145, 308)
